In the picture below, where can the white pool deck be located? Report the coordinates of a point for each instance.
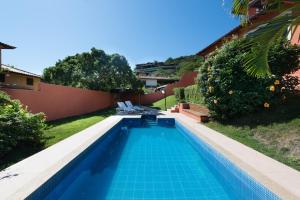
(21, 179)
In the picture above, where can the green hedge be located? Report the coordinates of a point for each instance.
(193, 95)
(18, 126)
(179, 95)
(190, 94)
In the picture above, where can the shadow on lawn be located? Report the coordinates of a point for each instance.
(104, 113)
(18, 154)
(157, 108)
(282, 113)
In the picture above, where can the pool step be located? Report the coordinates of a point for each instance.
(150, 122)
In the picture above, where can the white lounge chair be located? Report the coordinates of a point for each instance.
(137, 108)
(124, 108)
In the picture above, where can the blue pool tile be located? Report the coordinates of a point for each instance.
(148, 161)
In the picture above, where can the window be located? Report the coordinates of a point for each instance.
(2, 78)
(29, 81)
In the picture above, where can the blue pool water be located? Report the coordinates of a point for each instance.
(140, 160)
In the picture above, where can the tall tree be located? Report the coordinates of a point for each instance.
(92, 70)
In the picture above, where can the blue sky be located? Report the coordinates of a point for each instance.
(142, 30)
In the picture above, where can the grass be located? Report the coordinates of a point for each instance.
(160, 105)
(61, 129)
(275, 133)
(55, 132)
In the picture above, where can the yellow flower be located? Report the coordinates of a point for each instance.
(215, 101)
(230, 92)
(277, 82)
(272, 88)
(9, 106)
(210, 89)
(266, 105)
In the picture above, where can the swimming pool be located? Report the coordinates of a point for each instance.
(148, 159)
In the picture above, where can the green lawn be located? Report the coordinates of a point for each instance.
(275, 133)
(61, 129)
(55, 132)
(171, 101)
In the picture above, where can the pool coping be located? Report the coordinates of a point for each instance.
(21, 179)
(281, 179)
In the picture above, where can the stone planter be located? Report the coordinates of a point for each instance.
(184, 106)
(204, 118)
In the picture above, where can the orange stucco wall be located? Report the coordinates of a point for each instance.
(59, 101)
(296, 41)
(296, 37)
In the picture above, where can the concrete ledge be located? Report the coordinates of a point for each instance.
(279, 178)
(20, 180)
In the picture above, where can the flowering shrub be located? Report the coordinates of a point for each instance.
(18, 126)
(229, 91)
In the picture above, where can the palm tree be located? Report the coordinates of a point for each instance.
(260, 39)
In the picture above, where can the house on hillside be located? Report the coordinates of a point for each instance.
(155, 81)
(156, 73)
(11, 77)
(155, 68)
(257, 16)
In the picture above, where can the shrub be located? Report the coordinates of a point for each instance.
(283, 58)
(18, 126)
(179, 95)
(229, 91)
(193, 95)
